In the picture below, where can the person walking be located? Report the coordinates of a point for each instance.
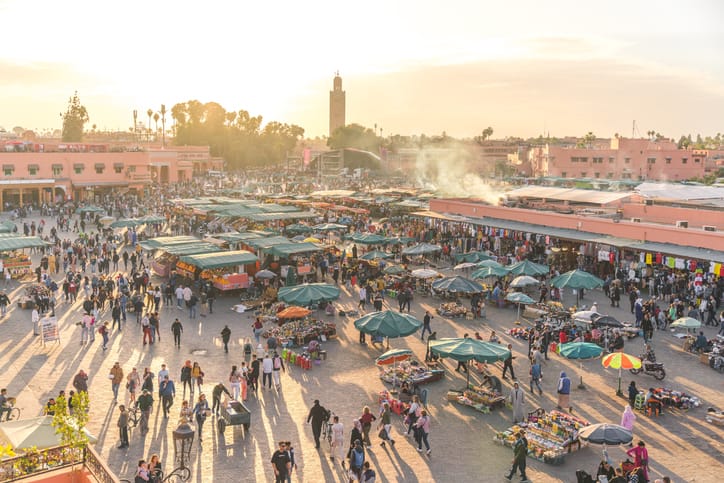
(386, 425)
(337, 440)
(281, 463)
(116, 377)
(210, 297)
(536, 374)
(318, 415)
(277, 368)
(225, 337)
(564, 392)
(254, 373)
(103, 331)
(216, 393)
(80, 381)
(133, 383)
(517, 399)
(356, 460)
(520, 453)
(197, 376)
(413, 412)
(426, 324)
(145, 405)
(508, 363)
(267, 366)
(235, 383)
(366, 419)
(362, 297)
(123, 427)
(35, 319)
(186, 379)
(167, 391)
(423, 431)
(201, 410)
(177, 330)
(4, 302)
(628, 418)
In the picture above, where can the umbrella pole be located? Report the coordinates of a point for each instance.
(467, 382)
(618, 391)
(581, 385)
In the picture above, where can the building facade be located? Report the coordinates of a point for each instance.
(337, 105)
(47, 172)
(625, 158)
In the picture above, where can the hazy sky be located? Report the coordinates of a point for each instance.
(409, 66)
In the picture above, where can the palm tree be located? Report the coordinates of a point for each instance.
(163, 125)
(135, 124)
(148, 130)
(156, 117)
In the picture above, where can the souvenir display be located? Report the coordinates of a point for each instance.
(300, 332)
(411, 372)
(480, 398)
(452, 309)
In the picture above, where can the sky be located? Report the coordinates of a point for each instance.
(524, 68)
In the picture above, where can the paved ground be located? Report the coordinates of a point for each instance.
(681, 445)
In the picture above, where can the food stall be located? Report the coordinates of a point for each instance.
(167, 257)
(12, 258)
(18, 263)
(225, 270)
(550, 435)
(300, 332)
(480, 398)
(410, 371)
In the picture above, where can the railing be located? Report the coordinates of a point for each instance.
(98, 467)
(39, 461)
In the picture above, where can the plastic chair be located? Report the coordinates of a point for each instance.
(640, 402)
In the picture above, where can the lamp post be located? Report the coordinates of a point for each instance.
(183, 439)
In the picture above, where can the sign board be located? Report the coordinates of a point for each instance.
(49, 330)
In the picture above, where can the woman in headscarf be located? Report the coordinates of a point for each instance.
(564, 392)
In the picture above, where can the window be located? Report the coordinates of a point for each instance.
(583, 174)
(684, 160)
(8, 170)
(627, 160)
(668, 160)
(697, 160)
(609, 175)
(597, 160)
(610, 159)
(118, 168)
(78, 168)
(32, 169)
(100, 167)
(57, 170)
(626, 176)
(597, 175)
(582, 160)
(564, 174)
(651, 160)
(574, 159)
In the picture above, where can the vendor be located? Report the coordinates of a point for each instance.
(701, 342)
(653, 402)
(493, 338)
(406, 392)
(493, 383)
(605, 469)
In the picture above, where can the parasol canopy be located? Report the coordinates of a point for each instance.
(464, 265)
(267, 274)
(424, 273)
(368, 239)
(606, 320)
(393, 270)
(523, 281)
(519, 298)
(393, 356)
(329, 227)
(90, 209)
(490, 263)
(577, 279)
(399, 240)
(619, 360)
(587, 315)
(487, 272)
(388, 323)
(457, 284)
(293, 312)
(311, 239)
(106, 220)
(526, 267)
(375, 254)
(298, 228)
(604, 433)
(472, 257)
(308, 293)
(33, 432)
(580, 350)
(421, 249)
(686, 323)
(124, 223)
(467, 349)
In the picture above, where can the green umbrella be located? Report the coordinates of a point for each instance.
(577, 279)
(526, 267)
(368, 239)
(519, 298)
(457, 284)
(375, 254)
(291, 279)
(125, 223)
(472, 257)
(468, 349)
(580, 350)
(487, 272)
(308, 293)
(399, 240)
(388, 323)
(329, 227)
(421, 249)
(393, 270)
(151, 219)
(298, 228)
(490, 263)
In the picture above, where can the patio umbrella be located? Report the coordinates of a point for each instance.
(311, 239)
(457, 284)
(606, 434)
(467, 349)
(375, 254)
(106, 220)
(586, 315)
(393, 357)
(580, 351)
(487, 272)
(36, 432)
(368, 239)
(424, 273)
(388, 323)
(464, 265)
(523, 281)
(577, 279)
(308, 293)
(526, 267)
(519, 298)
(686, 323)
(265, 274)
(620, 361)
(393, 270)
(125, 223)
(399, 240)
(151, 219)
(421, 249)
(329, 227)
(90, 209)
(606, 320)
(299, 238)
(293, 312)
(490, 263)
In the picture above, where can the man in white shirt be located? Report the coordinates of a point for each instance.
(161, 377)
(35, 317)
(362, 297)
(179, 296)
(337, 440)
(187, 294)
(267, 366)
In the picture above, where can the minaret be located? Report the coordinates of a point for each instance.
(336, 105)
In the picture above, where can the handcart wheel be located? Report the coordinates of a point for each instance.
(221, 424)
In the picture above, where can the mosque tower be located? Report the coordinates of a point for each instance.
(336, 105)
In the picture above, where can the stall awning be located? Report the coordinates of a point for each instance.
(57, 166)
(100, 165)
(261, 242)
(11, 243)
(703, 254)
(118, 165)
(192, 249)
(167, 241)
(290, 249)
(208, 261)
(33, 166)
(8, 166)
(236, 237)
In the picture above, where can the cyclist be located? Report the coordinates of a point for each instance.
(6, 404)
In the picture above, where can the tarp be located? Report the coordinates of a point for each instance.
(38, 432)
(267, 242)
(289, 249)
(167, 241)
(10, 243)
(207, 261)
(192, 249)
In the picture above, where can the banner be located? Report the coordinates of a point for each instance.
(49, 330)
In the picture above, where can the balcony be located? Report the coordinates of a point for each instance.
(58, 464)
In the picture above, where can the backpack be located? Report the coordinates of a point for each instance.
(185, 373)
(277, 363)
(358, 458)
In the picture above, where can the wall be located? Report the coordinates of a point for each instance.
(669, 215)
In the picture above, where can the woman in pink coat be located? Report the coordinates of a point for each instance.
(628, 418)
(641, 458)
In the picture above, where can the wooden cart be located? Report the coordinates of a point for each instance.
(234, 414)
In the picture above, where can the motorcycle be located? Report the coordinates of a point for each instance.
(651, 368)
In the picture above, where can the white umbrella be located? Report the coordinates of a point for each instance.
(523, 281)
(586, 315)
(424, 273)
(464, 265)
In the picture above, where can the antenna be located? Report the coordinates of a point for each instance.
(633, 129)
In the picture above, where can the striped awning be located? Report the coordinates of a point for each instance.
(117, 165)
(8, 166)
(57, 166)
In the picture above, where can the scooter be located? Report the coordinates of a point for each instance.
(655, 369)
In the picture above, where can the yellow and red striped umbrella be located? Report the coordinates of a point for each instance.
(619, 360)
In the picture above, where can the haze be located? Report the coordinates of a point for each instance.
(525, 68)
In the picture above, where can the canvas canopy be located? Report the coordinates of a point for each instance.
(208, 261)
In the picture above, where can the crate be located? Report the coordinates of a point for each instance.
(704, 359)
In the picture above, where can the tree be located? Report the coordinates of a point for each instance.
(148, 127)
(163, 125)
(156, 117)
(70, 426)
(74, 119)
(354, 136)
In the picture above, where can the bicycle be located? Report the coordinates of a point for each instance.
(134, 416)
(13, 411)
(327, 428)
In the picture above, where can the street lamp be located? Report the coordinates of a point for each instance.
(183, 439)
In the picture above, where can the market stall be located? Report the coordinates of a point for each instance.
(479, 398)
(550, 435)
(226, 270)
(17, 263)
(453, 309)
(410, 371)
(12, 258)
(300, 332)
(167, 257)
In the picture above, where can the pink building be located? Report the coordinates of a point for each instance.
(634, 159)
(37, 172)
